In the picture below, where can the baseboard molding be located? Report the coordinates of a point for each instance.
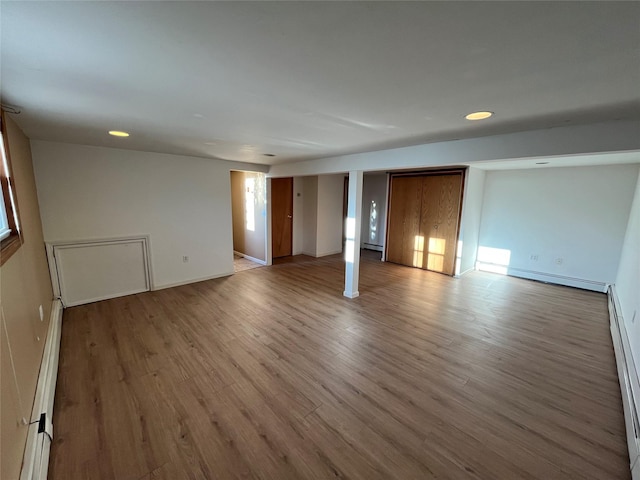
(195, 280)
(318, 255)
(544, 277)
(326, 254)
(559, 279)
(35, 463)
(465, 272)
(629, 380)
(106, 297)
(248, 257)
(370, 246)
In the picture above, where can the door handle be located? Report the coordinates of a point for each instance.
(289, 216)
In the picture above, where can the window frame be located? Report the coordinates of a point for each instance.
(10, 244)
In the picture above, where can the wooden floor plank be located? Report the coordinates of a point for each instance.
(273, 374)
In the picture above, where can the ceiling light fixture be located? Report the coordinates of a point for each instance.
(478, 115)
(117, 133)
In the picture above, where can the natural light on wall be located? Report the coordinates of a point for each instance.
(494, 260)
(349, 248)
(458, 257)
(373, 223)
(250, 203)
(5, 231)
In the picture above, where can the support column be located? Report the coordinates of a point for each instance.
(353, 229)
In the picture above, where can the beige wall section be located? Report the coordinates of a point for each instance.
(310, 216)
(245, 241)
(322, 204)
(24, 286)
(330, 214)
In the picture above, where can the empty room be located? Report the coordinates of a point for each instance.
(313, 240)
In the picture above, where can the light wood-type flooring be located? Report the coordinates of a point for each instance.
(272, 373)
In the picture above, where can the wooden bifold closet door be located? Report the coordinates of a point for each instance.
(424, 213)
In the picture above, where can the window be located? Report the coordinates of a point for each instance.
(250, 203)
(10, 236)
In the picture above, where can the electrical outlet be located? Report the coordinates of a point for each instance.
(185, 259)
(534, 257)
(559, 261)
(41, 313)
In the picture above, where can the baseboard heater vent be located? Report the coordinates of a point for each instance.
(629, 382)
(35, 464)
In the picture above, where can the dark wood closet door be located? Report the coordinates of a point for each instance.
(281, 217)
(424, 213)
(404, 221)
(440, 213)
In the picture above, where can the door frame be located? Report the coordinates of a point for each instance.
(462, 170)
(269, 229)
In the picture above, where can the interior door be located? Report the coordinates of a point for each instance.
(424, 213)
(281, 217)
(441, 195)
(404, 243)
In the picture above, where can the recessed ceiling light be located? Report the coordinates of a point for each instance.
(117, 133)
(269, 154)
(478, 115)
(541, 163)
(198, 115)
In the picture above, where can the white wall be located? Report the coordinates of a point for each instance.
(330, 214)
(628, 278)
(298, 215)
(576, 214)
(183, 203)
(310, 215)
(470, 220)
(374, 189)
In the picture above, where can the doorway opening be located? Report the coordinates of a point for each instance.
(249, 218)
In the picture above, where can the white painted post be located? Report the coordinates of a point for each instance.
(352, 247)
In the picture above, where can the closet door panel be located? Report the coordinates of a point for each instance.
(441, 200)
(434, 245)
(404, 221)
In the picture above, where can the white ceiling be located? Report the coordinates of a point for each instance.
(235, 80)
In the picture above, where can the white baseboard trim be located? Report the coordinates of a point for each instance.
(318, 255)
(106, 297)
(371, 246)
(629, 380)
(35, 463)
(351, 295)
(544, 277)
(248, 257)
(195, 280)
(326, 254)
(465, 272)
(558, 279)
